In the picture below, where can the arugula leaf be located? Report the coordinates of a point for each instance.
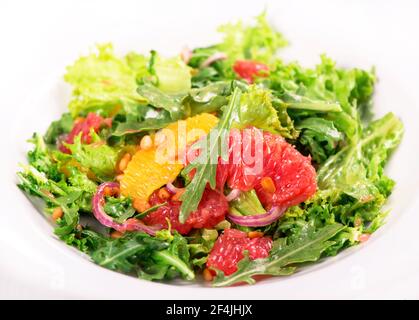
(74, 239)
(355, 168)
(159, 99)
(153, 258)
(206, 76)
(120, 209)
(133, 127)
(176, 256)
(124, 253)
(149, 210)
(140, 119)
(207, 99)
(206, 167)
(151, 65)
(211, 91)
(307, 247)
(299, 101)
(320, 137)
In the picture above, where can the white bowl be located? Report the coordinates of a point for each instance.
(45, 37)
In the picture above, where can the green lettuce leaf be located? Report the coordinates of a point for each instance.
(343, 96)
(256, 110)
(320, 137)
(41, 159)
(259, 42)
(59, 127)
(97, 156)
(358, 167)
(102, 81)
(43, 177)
(36, 183)
(174, 76)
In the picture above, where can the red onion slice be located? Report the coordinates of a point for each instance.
(258, 220)
(172, 189)
(186, 55)
(100, 214)
(215, 57)
(234, 194)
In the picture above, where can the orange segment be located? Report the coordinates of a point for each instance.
(148, 171)
(184, 132)
(144, 175)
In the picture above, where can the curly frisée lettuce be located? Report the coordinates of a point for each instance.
(322, 116)
(97, 157)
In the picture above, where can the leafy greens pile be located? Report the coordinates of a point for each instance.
(325, 111)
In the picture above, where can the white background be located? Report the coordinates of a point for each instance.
(39, 38)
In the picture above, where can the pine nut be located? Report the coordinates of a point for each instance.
(177, 195)
(364, 237)
(116, 234)
(146, 143)
(159, 138)
(207, 275)
(255, 234)
(123, 163)
(268, 184)
(57, 213)
(163, 194)
(107, 192)
(140, 205)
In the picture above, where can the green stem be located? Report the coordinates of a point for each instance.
(321, 107)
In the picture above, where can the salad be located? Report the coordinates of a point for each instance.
(223, 163)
